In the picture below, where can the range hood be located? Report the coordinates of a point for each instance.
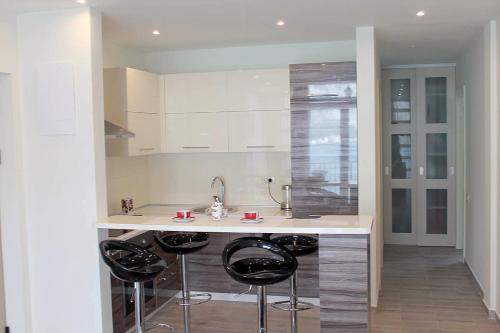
(113, 131)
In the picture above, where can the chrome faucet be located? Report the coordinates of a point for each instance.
(222, 188)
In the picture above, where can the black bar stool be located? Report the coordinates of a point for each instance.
(259, 272)
(299, 245)
(131, 263)
(182, 244)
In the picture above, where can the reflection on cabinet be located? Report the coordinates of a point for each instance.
(132, 101)
(259, 131)
(143, 91)
(194, 92)
(258, 90)
(196, 132)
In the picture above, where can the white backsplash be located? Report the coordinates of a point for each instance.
(186, 178)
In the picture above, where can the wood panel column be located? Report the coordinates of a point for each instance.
(344, 283)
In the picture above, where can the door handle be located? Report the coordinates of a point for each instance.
(386, 171)
(421, 171)
(452, 171)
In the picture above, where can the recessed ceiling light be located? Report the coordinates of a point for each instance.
(280, 23)
(421, 13)
(81, 1)
(156, 32)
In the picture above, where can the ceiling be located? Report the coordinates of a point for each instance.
(439, 36)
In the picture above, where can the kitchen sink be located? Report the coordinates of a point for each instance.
(205, 210)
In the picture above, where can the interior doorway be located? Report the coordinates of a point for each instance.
(419, 156)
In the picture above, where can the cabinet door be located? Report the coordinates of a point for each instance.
(195, 92)
(143, 91)
(196, 132)
(258, 131)
(261, 90)
(147, 130)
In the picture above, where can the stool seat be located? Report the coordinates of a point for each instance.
(258, 271)
(182, 243)
(261, 271)
(133, 264)
(299, 245)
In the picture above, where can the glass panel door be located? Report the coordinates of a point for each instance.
(436, 158)
(419, 156)
(399, 155)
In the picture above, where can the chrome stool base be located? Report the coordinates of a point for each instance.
(293, 305)
(287, 306)
(150, 326)
(141, 326)
(187, 302)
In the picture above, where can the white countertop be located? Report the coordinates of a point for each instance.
(157, 217)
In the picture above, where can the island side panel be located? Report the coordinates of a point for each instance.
(344, 283)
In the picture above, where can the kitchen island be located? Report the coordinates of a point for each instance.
(344, 245)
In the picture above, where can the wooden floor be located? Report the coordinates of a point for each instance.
(234, 317)
(425, 290)
(428, 290)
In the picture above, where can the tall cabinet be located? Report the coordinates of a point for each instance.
(324, 139)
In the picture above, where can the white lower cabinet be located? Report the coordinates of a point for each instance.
(259, 131)
(147, 130)
(196, 132)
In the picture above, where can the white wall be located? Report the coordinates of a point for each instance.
(12, 217)
(369, 146)
(64, 177)
(497, 50)
(248, 57)
(474, 71)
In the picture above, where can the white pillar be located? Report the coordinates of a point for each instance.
(369, 148)
(64, 174)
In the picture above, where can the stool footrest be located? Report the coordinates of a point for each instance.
(198, 299)
(287, 306)
(153, 325)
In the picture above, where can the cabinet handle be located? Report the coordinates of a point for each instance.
(261, 147)
(194, 147)
(146, 149)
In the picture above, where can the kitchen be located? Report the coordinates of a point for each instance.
(229, 131)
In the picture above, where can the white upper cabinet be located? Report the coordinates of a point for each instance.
(195, 92)
(196, 132)
(143, 91)
(132, 101)
(147, 130)
(259, 131)
(258, 90)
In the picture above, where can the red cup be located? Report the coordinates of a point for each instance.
(184, 214)
(251, 215)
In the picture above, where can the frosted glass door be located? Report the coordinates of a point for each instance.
(399, 154)
(436, 157)
(419, 156)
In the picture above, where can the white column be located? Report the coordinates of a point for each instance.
(64, 174)
(369, 148)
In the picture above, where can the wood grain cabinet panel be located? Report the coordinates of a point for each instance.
(324, 139)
